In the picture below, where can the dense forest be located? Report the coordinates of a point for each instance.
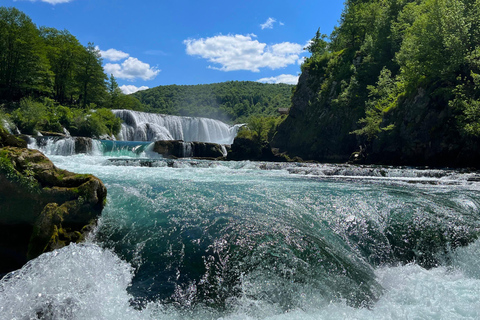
(234, 101)
(397, 80)
(49, 81)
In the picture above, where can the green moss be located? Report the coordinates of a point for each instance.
(26, 180)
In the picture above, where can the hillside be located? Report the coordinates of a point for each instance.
(233, 101)
(397, 80)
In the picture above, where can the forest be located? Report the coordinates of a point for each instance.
(397, 80)
(49, 82)
(233, 101)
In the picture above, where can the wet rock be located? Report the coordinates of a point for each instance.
(248, 149)
(42, 207)
(83, 145)
(180, 149)
(7, 139)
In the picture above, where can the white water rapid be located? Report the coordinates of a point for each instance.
(142, 126)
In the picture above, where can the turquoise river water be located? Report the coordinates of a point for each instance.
(191, 239)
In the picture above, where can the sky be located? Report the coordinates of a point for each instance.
(148, 43)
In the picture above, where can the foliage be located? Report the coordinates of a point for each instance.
(229, 101)
(382, 98)
(260, 128)
(33, 116)
(29, 116)
(49, 81)
(384, 50)
(90, 77)
(24, 68)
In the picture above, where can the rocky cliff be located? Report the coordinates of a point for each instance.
(316, 131)
(425, 130)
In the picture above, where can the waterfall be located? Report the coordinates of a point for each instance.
(6, 125)
(187, 150)
(142, 126)
(62, 147)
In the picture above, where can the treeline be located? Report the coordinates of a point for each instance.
(49, 81)
(404, 72)
(234, 101)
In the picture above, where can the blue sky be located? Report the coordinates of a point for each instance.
(147, 43)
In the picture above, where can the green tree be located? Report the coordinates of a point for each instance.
(114, 93)
(63, 50)
(24, 68)
(90, 77)
(29, 116)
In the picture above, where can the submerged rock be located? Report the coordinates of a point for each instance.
(42, 207)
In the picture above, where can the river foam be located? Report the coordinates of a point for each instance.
(88, 282)
(170, 234)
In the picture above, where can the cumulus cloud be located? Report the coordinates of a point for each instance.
(131, 69)
(301, 60)
(129, 89)
(239, 52)
(113, 54)
(283, 78)
(268, 24)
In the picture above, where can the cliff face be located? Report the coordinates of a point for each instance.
(316, 131)
(406, 86)
(425, 131)
(42, 207)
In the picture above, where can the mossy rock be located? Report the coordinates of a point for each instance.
(49, 206)
(7, 139)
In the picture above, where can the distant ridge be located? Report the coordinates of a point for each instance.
(232, 101)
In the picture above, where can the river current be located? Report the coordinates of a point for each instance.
(191, 239)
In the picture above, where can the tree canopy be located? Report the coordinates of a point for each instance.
(233, 101)
(50, 81)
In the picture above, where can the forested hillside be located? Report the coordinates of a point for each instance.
(398, 80)
(49, 81)
(233, 101)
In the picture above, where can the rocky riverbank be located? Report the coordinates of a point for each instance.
(42, 207)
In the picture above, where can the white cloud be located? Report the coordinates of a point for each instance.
(129, 89)
(283, 78)
(131, 69)
(301, 60)
(239, 52)
(113, 54)
(268, 24)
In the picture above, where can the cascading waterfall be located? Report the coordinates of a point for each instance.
(142, 126)
(54, 146)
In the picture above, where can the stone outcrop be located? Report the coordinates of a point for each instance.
(247, 149)
(180, 149)
(42, 207)
(314, 130)
(425, 130)
(83, 145)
